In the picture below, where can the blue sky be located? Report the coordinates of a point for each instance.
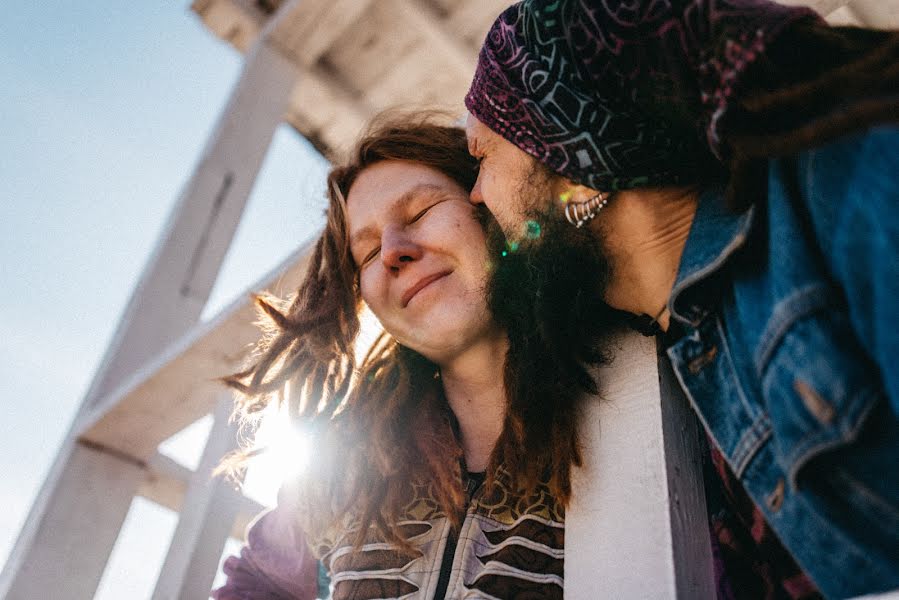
(105, 107)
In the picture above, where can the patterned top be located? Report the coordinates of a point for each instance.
(508, 546)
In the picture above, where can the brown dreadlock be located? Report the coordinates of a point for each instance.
(814, 84)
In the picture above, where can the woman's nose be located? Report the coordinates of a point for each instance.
(398, 249)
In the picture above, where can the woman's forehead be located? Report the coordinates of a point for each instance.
(389, 186)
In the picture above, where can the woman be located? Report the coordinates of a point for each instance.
(421, 483)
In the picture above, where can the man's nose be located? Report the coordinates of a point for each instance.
(398, 249)
(475, 196)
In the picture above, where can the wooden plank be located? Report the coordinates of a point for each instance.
(822, 7)
(471, 20)
(180, 273)
(681, 433)
(72, 528)
(237, 22)
(630, 515)
(330, 110)
(458, 56)
(421, 78)
(179, 386)
(881, 14)
(370, 48)
(205, 521)
(166, 483)
(313, 26)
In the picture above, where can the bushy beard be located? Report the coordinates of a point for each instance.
(547, 292)
(552, 286)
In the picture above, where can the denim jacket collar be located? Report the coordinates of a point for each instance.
(716, 233)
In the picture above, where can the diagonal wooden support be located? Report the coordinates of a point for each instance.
(66, 540)
(180, 385)
(207, 515)
(167, 482)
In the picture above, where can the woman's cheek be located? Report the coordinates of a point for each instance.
(368, 287)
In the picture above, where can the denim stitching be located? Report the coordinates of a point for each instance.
(800, 303)
(818, 441)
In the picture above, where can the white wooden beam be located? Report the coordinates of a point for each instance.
(174, 287)
(881, 14)
(166, 484)
(180, 385)
(237, 22)
(207, 515)
(312, 26)
(63, 548)
(458, 55)
(472, 19)
(822, 7)
(637, 524)
(65, 542)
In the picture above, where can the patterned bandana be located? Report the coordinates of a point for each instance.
(621, 94)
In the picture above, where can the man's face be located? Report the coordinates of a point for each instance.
(508, 182)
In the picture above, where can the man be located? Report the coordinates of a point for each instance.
(734, 162)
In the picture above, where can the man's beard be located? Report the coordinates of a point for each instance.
(547, 292)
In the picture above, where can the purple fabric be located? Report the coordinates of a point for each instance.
(621, 94)
(274, 564)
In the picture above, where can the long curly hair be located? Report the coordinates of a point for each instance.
(385, 422)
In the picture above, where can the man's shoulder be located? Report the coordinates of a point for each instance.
(832, 181)
(863, 158)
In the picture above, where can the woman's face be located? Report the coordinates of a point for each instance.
(422, 257)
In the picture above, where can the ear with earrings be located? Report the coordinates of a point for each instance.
(579, 213)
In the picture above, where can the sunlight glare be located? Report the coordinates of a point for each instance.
(287, 453)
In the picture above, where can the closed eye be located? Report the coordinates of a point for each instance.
(423, 212)
(370, 256)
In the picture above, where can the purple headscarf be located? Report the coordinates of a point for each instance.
(621, 94)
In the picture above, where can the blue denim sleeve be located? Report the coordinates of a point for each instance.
(851, 188)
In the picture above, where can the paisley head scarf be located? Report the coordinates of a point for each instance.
(618, 94)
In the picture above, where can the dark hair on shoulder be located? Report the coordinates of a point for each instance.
(814, 84)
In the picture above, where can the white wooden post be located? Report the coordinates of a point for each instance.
(64, 546)
(62, 550)
(207, 515)
(637, 524)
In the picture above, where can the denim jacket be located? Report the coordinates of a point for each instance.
(790, 353)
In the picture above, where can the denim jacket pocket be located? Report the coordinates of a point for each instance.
(730, 413)
(819, 386)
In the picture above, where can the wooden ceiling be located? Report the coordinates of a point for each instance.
(358, 57)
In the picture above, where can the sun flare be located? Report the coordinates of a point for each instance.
(286, 453)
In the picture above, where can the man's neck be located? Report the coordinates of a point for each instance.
(473, 384)
(645, 232)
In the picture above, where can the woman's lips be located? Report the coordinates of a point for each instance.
(420, 285)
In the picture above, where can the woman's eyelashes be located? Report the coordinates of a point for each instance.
(414, 219)
(423, 212)
(370, 256)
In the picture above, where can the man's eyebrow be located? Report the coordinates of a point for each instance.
(405, 198)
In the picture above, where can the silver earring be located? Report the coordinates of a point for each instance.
(582, 212)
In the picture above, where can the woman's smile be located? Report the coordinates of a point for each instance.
(421, 284)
